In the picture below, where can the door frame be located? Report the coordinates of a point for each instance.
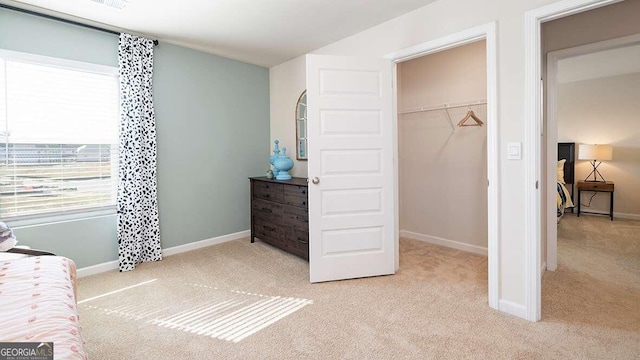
(485, 32)
(533, 126)
(553, 58)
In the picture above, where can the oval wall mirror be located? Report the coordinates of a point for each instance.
(301, 127)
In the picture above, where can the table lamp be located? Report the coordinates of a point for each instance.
(595, 154)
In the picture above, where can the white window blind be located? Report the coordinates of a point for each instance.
(59, 133)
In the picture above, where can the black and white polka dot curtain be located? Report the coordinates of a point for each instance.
(137, 202)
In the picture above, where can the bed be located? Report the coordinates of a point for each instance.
(38, 303)
(566, 177)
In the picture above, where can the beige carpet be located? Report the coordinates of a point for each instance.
(250, 301)
(597, 283)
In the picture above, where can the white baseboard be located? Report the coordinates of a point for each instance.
(625, 216)
(543, 268)
(204, 243)
(512, 308)
(97, 269)
(113, 265)
(445, 242)
(615, 214)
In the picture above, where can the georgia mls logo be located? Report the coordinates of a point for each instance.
(26, 351)
(47, 346)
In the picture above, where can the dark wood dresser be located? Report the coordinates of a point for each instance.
(280, 215)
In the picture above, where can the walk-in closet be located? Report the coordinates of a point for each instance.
(442, 148)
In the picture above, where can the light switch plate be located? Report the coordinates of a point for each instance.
(514, 151)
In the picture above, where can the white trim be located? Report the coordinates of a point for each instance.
(543, 268)
(396, 170)
(97, 269)
(533, 125)
(512, 308)
(444, 242)
(493, 170)
(552, 176)
(441, 44)
(489, 33)
(552, 132)
(59, 62)
(204, 243)
(60, 217)
(113, 265)
(615, 214)
(625, 216)
(616, 43)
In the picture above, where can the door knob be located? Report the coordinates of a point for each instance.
(315, 180)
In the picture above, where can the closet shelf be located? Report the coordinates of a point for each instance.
(443, 106)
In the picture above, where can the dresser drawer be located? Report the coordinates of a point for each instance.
(296, 217)
(265, 228)
(267, 210)
(595, 186)
(298, 242)
(297, 236)
(296, 190)
(268, 191)
(295, 200)
(267, 186)
(274, 242)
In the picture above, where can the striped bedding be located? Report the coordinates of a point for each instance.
(38, 304)
(563, 199)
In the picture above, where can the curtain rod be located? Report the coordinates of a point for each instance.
(50, 17)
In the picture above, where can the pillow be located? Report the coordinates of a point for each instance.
(7, 239)
(561, 171)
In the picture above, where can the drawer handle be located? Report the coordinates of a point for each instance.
(303, 241)
(266, 210)
(268, 228)
(302, 220)
(304, 203)
(266, 196)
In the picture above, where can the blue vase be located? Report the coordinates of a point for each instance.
(272, 158)
(283, 164)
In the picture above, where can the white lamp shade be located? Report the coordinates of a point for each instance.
(595, 152)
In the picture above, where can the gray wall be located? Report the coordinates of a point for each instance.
(212, 119)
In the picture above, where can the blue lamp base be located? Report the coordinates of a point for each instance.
(283, 164)
(283, 175)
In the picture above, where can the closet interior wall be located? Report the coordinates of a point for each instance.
(442, 167)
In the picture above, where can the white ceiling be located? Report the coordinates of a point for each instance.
(620, 61)
(262, 32)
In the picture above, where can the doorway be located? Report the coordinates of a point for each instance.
(571, 68)
(486, 35)
(442, 160)
(534, 144)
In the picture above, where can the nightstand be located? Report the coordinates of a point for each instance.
(606, 186)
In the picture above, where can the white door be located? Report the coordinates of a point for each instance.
(350, 137)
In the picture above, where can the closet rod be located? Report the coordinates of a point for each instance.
(51, 17)
(444, 106)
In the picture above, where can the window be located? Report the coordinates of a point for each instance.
(59, 136)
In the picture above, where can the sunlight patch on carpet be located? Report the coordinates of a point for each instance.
(116, 291)
(229, 315)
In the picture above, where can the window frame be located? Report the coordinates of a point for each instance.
(69, 215)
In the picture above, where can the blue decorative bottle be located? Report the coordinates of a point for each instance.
(272, 158)
(283, 164)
